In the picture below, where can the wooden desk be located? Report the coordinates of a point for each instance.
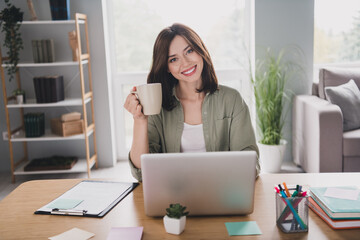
(17, 220)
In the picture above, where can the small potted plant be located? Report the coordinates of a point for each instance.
(19, 94)
(175, 219)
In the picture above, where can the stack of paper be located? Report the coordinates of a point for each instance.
(337, 206)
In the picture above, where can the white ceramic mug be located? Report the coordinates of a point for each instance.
(150, 97)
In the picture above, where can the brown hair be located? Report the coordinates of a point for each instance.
(159, 69)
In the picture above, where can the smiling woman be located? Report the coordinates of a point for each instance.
(133, 26)
(194, 104)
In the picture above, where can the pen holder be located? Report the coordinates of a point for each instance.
(292, 213)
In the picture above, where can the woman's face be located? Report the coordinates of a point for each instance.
(183, 62)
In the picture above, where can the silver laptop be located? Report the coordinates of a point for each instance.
(210, 183)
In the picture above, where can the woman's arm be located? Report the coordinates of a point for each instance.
(242, 136)
(140, 144)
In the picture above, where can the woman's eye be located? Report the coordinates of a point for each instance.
(190, 50)
(172, 60)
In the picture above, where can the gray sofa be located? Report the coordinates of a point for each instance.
(319, 142)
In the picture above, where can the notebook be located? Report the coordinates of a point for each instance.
(336, 208)
(336, 224)
(209, 183)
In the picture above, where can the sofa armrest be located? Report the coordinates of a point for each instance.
(317, 134)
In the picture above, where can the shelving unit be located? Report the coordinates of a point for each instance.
(17, 134)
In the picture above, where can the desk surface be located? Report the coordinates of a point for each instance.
(18, 221)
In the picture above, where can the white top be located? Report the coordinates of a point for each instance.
(192, 139)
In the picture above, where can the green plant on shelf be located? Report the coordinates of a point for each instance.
(18, 91)
(11, 18)
(176, 211)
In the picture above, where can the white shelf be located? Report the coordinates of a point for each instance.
(52, 64)
(48, 136)
(80, 166)
(31, 103)
(51, 22)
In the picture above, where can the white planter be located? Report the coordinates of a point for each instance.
(271, 156)
(19, 99)
(173, 225)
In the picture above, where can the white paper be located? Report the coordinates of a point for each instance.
(74, 233)
(349, 194)
(97, 195)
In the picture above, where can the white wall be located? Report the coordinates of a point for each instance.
(95, 10)
(280, 23)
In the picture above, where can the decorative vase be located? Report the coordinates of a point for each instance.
(174, 225)
(19, 99)
(271, 156)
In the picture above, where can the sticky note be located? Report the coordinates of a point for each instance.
(74, 233)
(242, 228)
(128, 233)
(65, 203)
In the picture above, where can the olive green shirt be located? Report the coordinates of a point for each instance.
(226, 125)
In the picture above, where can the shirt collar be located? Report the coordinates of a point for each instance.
(174, 93)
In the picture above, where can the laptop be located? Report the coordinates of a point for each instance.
(209, 183)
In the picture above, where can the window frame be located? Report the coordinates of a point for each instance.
(120, 79)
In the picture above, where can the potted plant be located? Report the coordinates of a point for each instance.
(175, 219)
(10, 22)
(271, 75)
(19, 94)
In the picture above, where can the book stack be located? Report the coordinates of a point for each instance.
(337, 212)
(43, 50)
(49, 89)
(60, 9)
(34, 124)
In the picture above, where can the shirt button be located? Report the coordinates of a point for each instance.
(205, 113)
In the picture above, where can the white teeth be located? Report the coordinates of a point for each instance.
(190, 71)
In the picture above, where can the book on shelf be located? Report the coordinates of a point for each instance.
(50, 50)
(35, 51)
(60, 9)
(34, 124)
(39, 51)
(43, 51)
(49, 89)
(336, 208)
(56, 88)
(334, 223)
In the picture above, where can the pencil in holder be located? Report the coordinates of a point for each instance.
(292, 213)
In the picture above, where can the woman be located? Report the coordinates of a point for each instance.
(197, 114)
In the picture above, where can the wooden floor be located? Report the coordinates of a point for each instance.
(121, 171)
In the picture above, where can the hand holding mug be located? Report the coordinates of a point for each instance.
(145, 99)
(133, 106)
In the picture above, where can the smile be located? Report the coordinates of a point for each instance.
(190, 71)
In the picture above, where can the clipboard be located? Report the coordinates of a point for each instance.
(93, 198)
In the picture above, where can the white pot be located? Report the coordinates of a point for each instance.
(19, 99)
(271, 156)
(173, 225)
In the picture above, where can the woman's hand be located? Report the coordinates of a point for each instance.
(133, 106)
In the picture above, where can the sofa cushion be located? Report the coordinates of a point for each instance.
(351, 143)
(336, 76)
(347, 97)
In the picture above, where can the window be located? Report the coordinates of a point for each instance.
(336, 34)
(224, 26)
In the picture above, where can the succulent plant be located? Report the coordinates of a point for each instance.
(176, 211)
(18, 92)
